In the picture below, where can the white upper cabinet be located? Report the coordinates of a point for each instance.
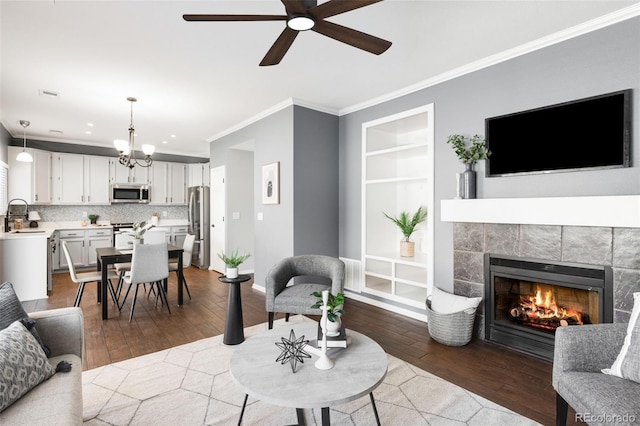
(80, 179)
(68, 173)
(30, 181)
(168, 183)
(198, 174)
(121, 174)
(96, 187)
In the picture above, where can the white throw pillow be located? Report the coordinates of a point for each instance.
(627, 364)
(447, 303)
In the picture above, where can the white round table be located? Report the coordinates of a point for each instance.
(357, 371)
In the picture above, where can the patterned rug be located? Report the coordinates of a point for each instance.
(190, 385)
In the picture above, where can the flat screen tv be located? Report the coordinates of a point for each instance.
(590, 133)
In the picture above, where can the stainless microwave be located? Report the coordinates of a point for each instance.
(130, 193)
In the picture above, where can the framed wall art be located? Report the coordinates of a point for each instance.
(271, 183)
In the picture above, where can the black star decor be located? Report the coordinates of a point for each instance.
(292, 350)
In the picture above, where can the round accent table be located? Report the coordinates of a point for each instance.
(357, 371)
(234, 326)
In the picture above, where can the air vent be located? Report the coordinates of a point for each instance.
(49, 93)
(55, 132)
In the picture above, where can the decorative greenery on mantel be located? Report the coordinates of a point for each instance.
(469, 155)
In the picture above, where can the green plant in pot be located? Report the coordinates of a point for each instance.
(407, 224)
(469, 154)
(334, 311)
(232, 261)
(93, 218)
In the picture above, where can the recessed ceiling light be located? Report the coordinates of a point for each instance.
(164, 142)
(173, 136)
(90, 124)
(88, 132)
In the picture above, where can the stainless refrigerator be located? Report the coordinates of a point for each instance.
(199, 221)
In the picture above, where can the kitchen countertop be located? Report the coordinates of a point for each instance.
(46, 229)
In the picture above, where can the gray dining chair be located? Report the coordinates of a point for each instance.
(82, 278)
(148, 265)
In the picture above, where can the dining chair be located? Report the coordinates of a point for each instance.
(154, 236)
(122, 241)
(81, 278)
(148, 265)
(187, 246)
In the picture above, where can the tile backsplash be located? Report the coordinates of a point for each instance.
(114, 213)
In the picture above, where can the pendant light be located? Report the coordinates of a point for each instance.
(24, 156)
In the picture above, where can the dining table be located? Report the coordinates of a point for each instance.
(107, 256)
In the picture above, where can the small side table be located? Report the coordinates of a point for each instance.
(234, 326)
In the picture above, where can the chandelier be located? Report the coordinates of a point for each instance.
(127, 153)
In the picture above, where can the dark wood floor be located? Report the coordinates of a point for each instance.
(519, 382)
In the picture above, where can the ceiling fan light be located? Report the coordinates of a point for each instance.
(300, 23)
(25, 157)
(148, 149)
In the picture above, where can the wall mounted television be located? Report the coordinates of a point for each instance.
(590, 133)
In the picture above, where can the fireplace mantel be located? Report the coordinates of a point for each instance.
(621, 211)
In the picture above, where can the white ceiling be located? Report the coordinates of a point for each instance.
(199, 80)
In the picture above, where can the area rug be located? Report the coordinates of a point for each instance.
(190, 385)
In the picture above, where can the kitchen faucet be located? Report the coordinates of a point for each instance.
(12, 214)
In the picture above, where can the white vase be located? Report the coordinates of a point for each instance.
(333, 327)
(232, 272)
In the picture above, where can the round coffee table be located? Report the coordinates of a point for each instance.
(357, 371)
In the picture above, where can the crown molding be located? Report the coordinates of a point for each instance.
(555, 38)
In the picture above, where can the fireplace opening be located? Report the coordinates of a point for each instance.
(528, 299)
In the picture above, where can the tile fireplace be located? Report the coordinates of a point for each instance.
(526, 299)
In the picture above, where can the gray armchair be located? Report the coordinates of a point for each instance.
(580, 353)
(291, 281)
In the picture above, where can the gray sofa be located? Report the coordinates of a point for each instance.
(58, 400)
(580, 353)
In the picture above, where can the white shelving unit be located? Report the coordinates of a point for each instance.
(397, 175)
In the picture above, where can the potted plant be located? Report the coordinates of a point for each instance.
(93, 218)
(334, 311)
(139, 228)
(469, 155)
(232, 262)
(407, 224)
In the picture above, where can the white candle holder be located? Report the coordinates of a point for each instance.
(324, 363)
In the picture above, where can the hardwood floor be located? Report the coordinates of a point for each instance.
(519, 382)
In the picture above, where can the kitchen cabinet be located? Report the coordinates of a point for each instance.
(198, 174)
(82, 244)
(397, 176)
(121, 174)
(30, 181)
(168, 183)
(178, 234)
(81, 179)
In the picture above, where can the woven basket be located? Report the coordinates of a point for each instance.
(451, 329)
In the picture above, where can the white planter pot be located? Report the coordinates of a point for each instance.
(232, 272)
(333, 327)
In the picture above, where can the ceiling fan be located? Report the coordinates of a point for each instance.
(305, 15)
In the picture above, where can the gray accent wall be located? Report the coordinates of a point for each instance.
(599, 62)
(305, 143)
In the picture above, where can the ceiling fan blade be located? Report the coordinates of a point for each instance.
(279, 48)
(207, 18)
(352, 37)
(336, 7)
(294, 7)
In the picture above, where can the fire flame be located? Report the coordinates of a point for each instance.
(543, 306)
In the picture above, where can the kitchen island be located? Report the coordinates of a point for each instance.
(24, 261)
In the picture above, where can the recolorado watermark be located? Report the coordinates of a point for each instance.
(606, 418)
